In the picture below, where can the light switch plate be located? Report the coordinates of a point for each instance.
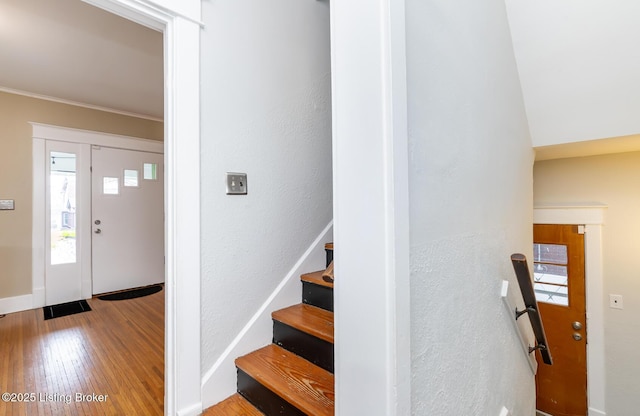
(236, 183)
(7, 204)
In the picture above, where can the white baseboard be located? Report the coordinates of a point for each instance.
(220, 381)
(38, 297)
(193, 410)
(16, 304)
(26, 302)
(86, 288)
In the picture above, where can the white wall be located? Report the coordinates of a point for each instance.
(266, 109)
(578, 63)
(470, 208)
(611, 180)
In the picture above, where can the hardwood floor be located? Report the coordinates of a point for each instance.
(114, 353)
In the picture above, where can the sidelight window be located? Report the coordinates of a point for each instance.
(62, 185)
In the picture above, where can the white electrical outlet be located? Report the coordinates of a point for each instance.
(615, 301)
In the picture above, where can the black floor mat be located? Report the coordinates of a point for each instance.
(64, 309)
(133, 293)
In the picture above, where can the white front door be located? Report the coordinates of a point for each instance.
(127, 219)
(67, 193)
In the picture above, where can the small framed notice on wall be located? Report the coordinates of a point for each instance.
(7, 204)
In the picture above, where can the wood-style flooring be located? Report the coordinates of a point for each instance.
(115, 352)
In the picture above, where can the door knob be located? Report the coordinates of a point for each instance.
(577, 336)
(98, 231)
(97, 222)
(577, 325)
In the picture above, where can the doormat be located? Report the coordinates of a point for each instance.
(132, 293)
(65, 309)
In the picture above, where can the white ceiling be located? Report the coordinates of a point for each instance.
(579, 67)
(72, 51)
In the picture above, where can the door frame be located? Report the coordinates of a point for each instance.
(592, 217)
(179, 20)
(369, 82)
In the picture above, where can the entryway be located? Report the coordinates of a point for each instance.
(592, 219)
(180, 23)
(102, 199)
(559, 283)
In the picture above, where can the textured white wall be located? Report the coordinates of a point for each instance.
(265, 111)
(471, 208)
(611, 180)
(578, 63)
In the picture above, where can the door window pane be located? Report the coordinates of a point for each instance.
(550, 253)
(558, 295)
(130, 177)
(550, 273)
(110, 186)
(150, 171)
(62, 187)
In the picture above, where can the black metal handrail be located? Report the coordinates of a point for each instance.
(521, 268)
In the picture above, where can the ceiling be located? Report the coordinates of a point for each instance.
(610, 145)
(578, 63)
(71, 51)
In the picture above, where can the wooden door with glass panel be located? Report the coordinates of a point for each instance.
(559, 283)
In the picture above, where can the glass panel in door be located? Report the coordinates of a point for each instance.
(62, 187)
(550, 273)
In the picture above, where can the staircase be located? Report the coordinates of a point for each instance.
(293, 376)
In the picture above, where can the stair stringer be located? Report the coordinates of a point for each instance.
(219, 382)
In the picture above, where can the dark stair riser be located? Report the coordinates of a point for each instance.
(264, 399)
(316, 295)
(307, 346)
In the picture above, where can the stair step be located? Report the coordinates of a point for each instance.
(306, 318)
(317, 292)
(307, 331)
(233, 405)
(277, 381)
(316, 279)
(328, 249)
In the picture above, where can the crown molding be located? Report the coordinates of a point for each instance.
(78, 104)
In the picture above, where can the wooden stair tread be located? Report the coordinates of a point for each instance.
(306, 386)
(328, 246)
(233, 405)
(306, 318)
(316, 278)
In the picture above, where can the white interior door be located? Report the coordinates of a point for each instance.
(127, 219)
(67, 276)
